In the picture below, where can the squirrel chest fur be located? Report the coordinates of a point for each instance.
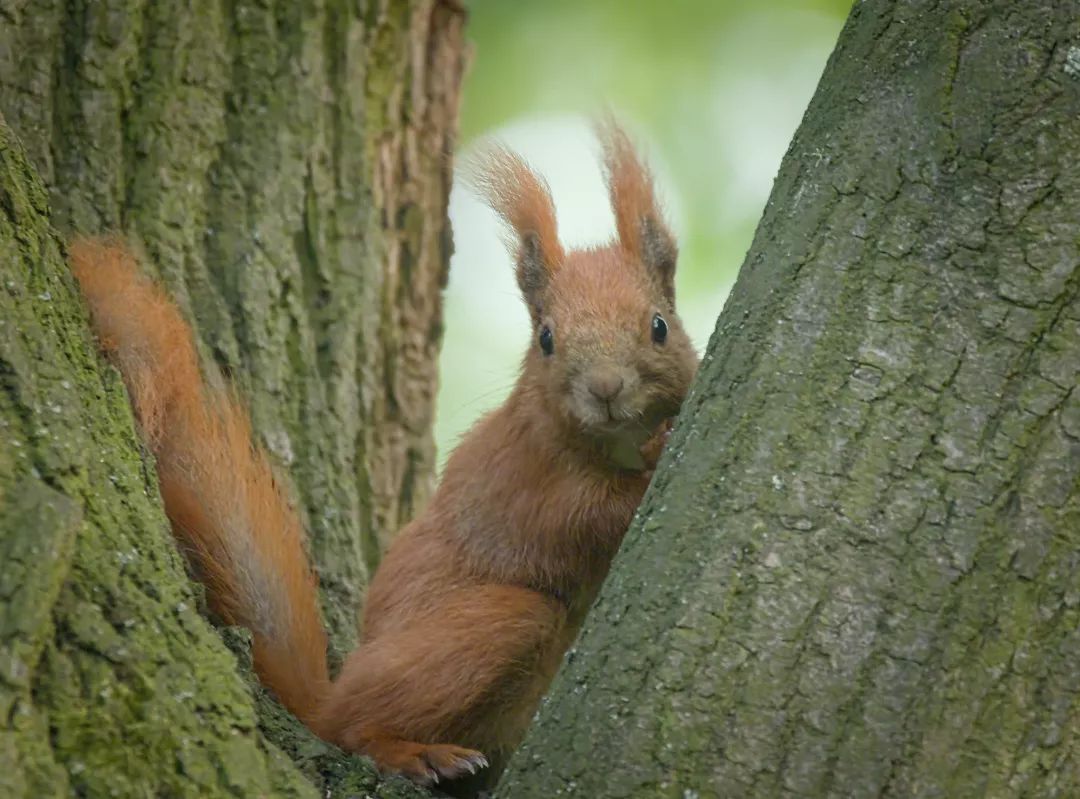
(474, 604)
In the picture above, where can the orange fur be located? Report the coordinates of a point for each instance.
(520, 197)
(244, 541)
(638, 220)
(475, 603)
(523, 201)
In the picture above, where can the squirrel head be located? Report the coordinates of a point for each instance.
(609, 357)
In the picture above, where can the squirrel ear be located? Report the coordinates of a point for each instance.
(523, 200)
(639, 222)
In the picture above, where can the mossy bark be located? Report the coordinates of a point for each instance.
(284, 165)
(858, 571)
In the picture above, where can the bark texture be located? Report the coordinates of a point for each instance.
(285, 167)
(109, 678)
(858, 571)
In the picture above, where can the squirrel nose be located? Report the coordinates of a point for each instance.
(605, 385)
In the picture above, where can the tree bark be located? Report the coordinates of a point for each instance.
(858, 570)
(285, 167)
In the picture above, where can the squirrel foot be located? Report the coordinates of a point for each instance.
(425, 764)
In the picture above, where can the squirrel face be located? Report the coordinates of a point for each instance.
(610, 357)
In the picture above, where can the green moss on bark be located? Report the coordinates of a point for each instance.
(268, 156)
(109, 671)
(284, 167)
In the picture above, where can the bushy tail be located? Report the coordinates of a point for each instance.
(242, 538)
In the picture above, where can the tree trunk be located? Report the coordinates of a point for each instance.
(285, 167)
(858, 571)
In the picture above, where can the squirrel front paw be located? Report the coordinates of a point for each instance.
(653, 448)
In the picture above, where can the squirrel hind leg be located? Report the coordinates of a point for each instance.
(426, 764)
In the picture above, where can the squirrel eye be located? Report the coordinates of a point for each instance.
(547, 341)
(659, 329)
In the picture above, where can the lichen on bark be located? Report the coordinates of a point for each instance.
(856, 571)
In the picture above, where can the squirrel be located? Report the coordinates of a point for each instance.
(476, 600)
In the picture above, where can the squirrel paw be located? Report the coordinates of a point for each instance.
(652, 449)
(450, 762)
(425, 764)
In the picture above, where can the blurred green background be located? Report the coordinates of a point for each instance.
(711, 90)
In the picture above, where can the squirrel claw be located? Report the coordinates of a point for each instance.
(425, 764)
(451, 762)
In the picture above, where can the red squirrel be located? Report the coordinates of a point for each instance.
(477, 599)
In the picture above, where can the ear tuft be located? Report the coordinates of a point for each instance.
(639, 221)
(522, 198)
